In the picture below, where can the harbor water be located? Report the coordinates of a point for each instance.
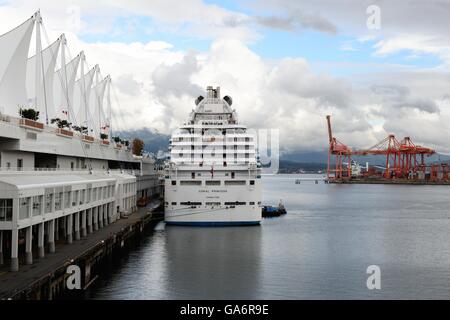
(320, 250)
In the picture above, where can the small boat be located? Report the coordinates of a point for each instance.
(271, 211)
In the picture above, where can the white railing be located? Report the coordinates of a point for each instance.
(16, 122)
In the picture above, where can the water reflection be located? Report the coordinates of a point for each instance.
(213, 263)
(319, 250)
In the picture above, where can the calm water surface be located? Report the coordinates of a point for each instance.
(319, 250)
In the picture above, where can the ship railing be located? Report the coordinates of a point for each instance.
(34, 169)
(66, 170)
(41, 127)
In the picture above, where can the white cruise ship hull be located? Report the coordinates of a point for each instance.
(242, 216)
(205, 205)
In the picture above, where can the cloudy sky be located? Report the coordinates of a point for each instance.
(286, 63)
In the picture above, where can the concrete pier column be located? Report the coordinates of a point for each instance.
(95, 218)
(56, 226)
(89, 221)
(29, 245)
(83, 224)
(14, 250)
(77, 225)
(41, 248)
(105, 214)
(112, 218)
(51, 235)
(1, 248)
(64, 226)
(69, 220)
(100, 216)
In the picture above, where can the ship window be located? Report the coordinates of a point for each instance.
(174, 183)
(252, 203)
(235, 183)
(236, 203)
(174, 203)
(232, 175)
(193, 175)
(212, 183)
(252, 182)
(189, 203)
(212, 203)
(190, 183)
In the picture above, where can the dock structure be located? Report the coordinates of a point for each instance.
(46, 278)
(38, 208)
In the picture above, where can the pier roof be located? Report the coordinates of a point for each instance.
(21, 181)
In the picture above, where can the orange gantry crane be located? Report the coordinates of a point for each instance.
(404, 159)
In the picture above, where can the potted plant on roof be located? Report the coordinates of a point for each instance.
(63, 127)
(126, 143)
(118, 142)
(84, 133)
(29, 119)
(104, 138)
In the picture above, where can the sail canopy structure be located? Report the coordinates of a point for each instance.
(13, 57)
(43, 90)
(45, 81)
(64, 89)
(81, 99)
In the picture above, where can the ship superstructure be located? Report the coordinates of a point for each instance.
(213, 176)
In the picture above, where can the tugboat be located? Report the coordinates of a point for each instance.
(271, 211)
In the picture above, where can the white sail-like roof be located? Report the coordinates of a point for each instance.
(81, 100)
(96, 99)
(63, 97)
(44, 94)
(13, 55)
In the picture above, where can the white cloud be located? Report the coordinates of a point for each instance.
(157, 84)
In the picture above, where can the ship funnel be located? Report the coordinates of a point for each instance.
(198, 100)
(228, 100)
(212, 93)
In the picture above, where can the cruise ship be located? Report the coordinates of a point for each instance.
(213, 175)
(62, 173)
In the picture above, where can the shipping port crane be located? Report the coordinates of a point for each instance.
(403, 159)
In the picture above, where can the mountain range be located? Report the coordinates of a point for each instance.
(289, 161)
